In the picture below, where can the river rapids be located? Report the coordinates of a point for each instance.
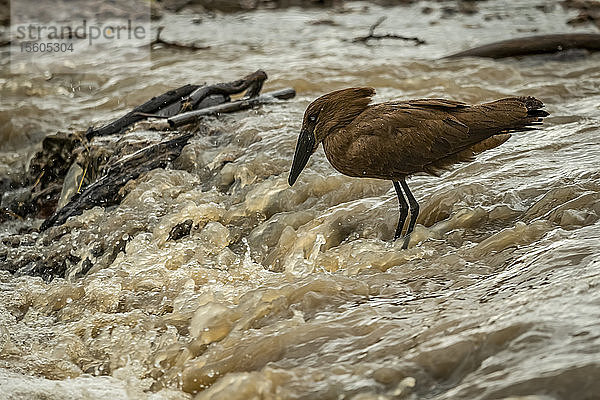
(299, 293)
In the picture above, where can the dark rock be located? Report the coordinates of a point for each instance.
(180, 230)
(52, 162)
(17, 201)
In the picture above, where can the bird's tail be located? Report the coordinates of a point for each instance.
(490, 125)
(503, 116)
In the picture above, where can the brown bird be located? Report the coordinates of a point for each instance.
(397, 139)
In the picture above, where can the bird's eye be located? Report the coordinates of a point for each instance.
(312, 118)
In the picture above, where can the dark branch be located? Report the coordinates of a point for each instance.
(373, 36)
(185, 98)
(243, 104)
(252, 83)
(137, 114)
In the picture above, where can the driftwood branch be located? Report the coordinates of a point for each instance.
(106, 190)
(185, 98)
(372, 36)
(139, 113)
(252, 83)
(243, 104)
(541, 44)
(175, 45)
(183, 104)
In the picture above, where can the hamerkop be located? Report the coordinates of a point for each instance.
(397, 139)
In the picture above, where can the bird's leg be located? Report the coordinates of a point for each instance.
(403, 205)
(414, 212)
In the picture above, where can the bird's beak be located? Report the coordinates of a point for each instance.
(304, 149)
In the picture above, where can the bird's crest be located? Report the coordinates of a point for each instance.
(337, 109)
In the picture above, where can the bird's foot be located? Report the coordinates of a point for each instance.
(406, 240)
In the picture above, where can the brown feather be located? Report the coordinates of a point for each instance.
(467, 155)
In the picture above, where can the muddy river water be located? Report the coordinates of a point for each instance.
(299, 293)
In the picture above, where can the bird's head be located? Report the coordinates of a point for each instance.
(322, 117)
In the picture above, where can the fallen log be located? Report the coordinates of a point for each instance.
(540, 44)
(185, 98)
(252, 83)
(207, 96)
(106, 190)
(137, 114)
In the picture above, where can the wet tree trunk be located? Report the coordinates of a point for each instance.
(542, 44)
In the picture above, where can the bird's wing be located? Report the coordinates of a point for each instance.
(437, 103)
(410, 135)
